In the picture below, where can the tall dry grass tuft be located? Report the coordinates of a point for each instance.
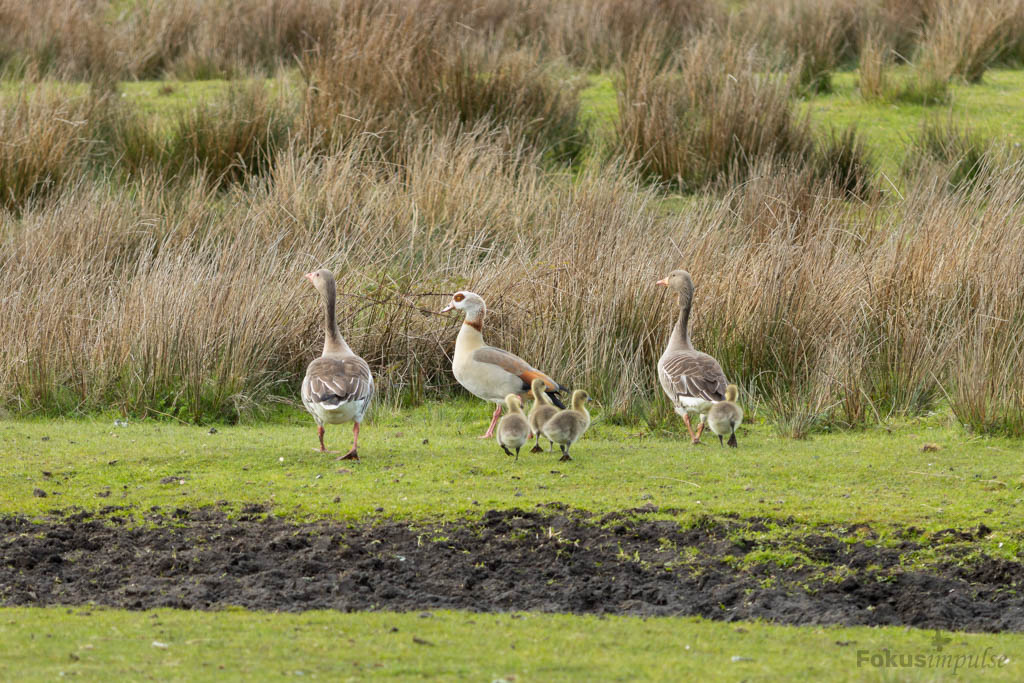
(963, 38)
(600, 34)
(390, 71)
(44, 142)
(813, 36)
(844, 161)
(709, 113)
(947, 148)
(233, 137)
(875, 55)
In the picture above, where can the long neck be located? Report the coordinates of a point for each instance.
(680, 338)
(333, 341)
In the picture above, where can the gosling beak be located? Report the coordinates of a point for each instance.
(662, 283)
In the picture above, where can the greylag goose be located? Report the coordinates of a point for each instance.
(566, 427)
(542, 411)
(725, 417)
(689, 377)
(485, 371)
(338, 386)
(513, 429)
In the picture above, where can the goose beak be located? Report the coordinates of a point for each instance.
(309, 276)
(450, 306)
(662, 283)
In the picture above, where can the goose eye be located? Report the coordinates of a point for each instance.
(459, 297)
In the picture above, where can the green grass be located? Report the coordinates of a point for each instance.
(991, 108)
(880, 476)
(100, 644)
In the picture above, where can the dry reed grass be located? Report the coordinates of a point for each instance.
(159, 298)
(711, 112)
(44, 141)
(387, 71)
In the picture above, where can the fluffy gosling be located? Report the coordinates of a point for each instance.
(513, 429)
(725, 417)
(566, 427)
(542, 411)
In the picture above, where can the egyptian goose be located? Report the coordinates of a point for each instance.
(338, 386)
(542, 411)
(725, 417)
(513, 429)
(689, 377)
(488, 372)
(566, 427)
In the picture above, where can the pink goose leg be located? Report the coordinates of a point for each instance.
(494, 421)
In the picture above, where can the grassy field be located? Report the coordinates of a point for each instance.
(428, 464)
(95, 644)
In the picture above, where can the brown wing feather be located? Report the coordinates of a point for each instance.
(511, 363)
(695, 374)
(348, 379)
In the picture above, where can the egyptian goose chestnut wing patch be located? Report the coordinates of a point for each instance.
(694, 374)
(338, 380)
(513, 364)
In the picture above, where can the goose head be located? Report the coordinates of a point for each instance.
(579, 398)
(472, 304)
(514, 403)
(678, 281)
(322, 279)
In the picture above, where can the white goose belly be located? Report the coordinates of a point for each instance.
(692, 404)
(332, 415)
(486, 381)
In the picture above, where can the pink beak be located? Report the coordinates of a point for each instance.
(662, 283)
(450, 306)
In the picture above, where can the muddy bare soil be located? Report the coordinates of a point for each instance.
(552, 561)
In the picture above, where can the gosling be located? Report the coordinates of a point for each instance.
(566, 427)
(542, 411)
(513, 429)
(725, 417)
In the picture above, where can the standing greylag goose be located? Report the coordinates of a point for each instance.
(488, 372)
(338, 386)
(725, 417)
(513, 429)
(542, 411)
(566, 427)
(689, 377)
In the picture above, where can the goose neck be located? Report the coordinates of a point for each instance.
(681, 330)
(334, 343)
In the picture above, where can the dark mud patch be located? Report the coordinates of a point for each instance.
(552, 561)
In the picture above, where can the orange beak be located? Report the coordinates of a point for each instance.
(662, 283)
